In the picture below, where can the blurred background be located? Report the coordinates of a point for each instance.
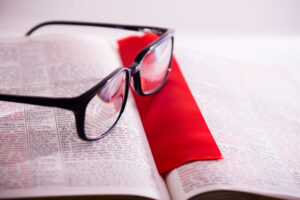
(190, 16)
(238, 28)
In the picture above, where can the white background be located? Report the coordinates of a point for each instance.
(263, 31)
(203, 17)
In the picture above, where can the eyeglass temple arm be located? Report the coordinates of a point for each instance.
(149, 29)
(66, 103)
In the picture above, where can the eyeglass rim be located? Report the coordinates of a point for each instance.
(88, 96)
(78, 104)
(137, 65)
(131, 71)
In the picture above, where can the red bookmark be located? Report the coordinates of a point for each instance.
(174, 125)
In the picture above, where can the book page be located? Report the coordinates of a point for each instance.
(40, 152)
(253, 113)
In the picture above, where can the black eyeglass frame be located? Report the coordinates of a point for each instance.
(79, 104)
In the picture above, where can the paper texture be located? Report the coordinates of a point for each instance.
(253, 113)
(40, 152)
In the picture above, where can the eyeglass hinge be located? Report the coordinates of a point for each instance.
(151, 30)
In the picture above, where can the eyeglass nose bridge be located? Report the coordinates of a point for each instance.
(134, 68)
(135, 80)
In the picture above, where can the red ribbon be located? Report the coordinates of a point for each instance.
(174, 125)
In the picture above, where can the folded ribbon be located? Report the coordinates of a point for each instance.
(175, 128)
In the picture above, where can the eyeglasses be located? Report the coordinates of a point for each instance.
(98, 110)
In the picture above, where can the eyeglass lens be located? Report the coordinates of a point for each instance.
(154, 66)
(104, 108)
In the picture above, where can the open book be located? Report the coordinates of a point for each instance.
(252, 112)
